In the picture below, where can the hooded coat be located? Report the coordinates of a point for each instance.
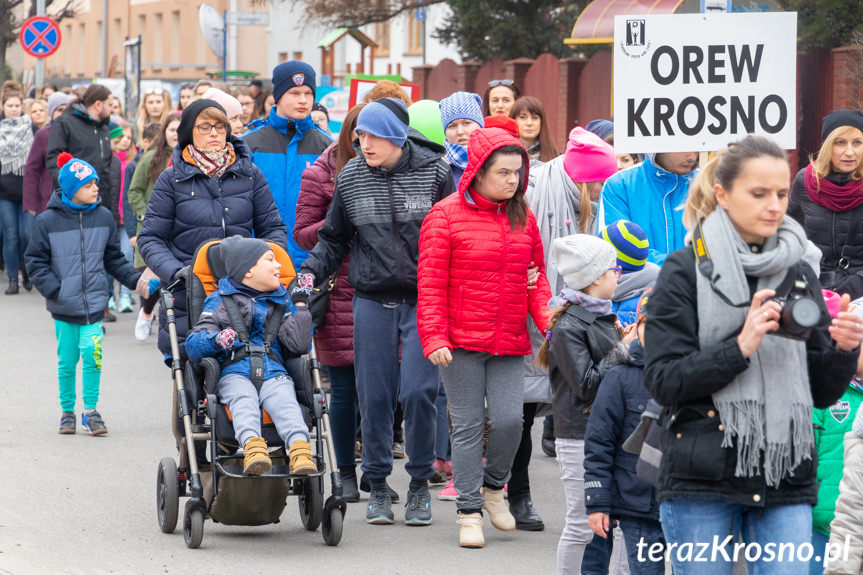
(473, 264)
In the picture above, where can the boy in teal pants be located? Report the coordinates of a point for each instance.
(73, 242)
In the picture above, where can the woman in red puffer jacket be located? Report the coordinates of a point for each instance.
(474, 298)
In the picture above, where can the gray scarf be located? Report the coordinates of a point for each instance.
(768, 407)
(16, 137)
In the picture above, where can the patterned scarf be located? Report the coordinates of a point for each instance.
(16, 137)
(211, 162)
(456, 154)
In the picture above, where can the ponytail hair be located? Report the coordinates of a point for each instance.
(585, 211)
(542, 355)
(725, 167)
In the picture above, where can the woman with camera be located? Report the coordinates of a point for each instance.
(826, 199)
(747, 348)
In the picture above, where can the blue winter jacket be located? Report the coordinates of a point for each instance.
(294, 336)
(610, 483)
(68, 254)
(652, 198)
(283, 149)
(188, 208)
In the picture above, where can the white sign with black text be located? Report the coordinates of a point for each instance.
(696, 82)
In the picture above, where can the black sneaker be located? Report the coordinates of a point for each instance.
(92, 422)
(367, 487)
(418, 508)
(67, 423)
(380, 508)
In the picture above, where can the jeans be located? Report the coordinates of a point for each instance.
(473, 380)
(576, 532)
(383, 381)
(819, 544)
(16, 235)
(73, 342)
(343, 412)
(691, 525)
(442, 447)
(637, 530)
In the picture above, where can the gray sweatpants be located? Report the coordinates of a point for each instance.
(576, 532)
(473, 380)
(277, 397)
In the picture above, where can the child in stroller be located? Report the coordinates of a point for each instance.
(245, 326)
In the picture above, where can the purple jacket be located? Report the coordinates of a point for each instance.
(38, 182)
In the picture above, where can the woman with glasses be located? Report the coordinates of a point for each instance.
(739, 365)
(154, 107)
(211, 191)
(499, 98)
(474, 299)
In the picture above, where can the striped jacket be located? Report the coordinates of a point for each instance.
(376, 216)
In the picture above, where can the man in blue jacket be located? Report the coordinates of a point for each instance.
(651, 195)
(288, 142)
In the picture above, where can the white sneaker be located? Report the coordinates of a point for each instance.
(143, 325)
(111, 305)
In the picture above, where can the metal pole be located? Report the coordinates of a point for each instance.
(104, 38)
(224, 45)
(232, 36)
(40, 62)
(424, 39)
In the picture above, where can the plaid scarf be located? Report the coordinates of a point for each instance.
(211, 162)
(16, 137)
(456, 154)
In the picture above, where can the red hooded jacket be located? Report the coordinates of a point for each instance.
(472, 276)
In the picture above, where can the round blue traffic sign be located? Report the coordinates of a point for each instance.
(40, 36)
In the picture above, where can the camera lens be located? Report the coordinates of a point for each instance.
(804, 312)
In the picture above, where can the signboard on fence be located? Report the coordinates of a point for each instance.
(361, 86)
(696, 82)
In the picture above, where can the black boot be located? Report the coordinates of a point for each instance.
(366, 486)
(25, 280)
(548, 437)
(350, 492)
(526, 517)
(13, 287)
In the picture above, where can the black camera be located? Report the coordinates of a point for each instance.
(800, 312)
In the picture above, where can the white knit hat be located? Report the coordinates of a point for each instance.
(581, 259)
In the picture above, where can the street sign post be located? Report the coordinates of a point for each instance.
(40, 36)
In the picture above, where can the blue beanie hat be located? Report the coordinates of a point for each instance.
(631, 244)
(291, 74)
(602, 128)
(461, 106)
(74, 173)
(385, 118)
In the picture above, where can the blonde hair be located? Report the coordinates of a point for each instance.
(127, 131)
(725, 167)
(822, 164)
(143, 118)
(585, 212)
(39, 102)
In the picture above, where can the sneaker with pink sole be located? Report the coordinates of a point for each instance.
(448, 493)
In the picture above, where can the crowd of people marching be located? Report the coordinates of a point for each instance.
(693, 353)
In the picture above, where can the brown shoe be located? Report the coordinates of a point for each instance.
(302, 463)
(256, 459)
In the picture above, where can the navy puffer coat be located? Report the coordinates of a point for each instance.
(188, 208)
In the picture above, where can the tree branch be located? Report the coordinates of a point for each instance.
(350, 13)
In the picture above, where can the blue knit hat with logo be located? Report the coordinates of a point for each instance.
(631, 244)
(74, 173)
(291, 74)
(461, 106)
(385, 118)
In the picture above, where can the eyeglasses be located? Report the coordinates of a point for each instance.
(207, 128)
(495, 83)
(617, 270)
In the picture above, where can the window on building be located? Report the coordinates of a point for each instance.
(116, 39)
(283, 57)
(415, 35)
(67, 54)
(382, 39)
(201, 48)
(298, 56)
(83, 45)
(158, 41)
(174, 38)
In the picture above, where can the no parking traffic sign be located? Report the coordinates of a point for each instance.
(40, 36)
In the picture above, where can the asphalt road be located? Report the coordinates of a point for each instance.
(82, 504)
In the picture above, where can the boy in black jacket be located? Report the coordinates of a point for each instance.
(611, 487)
(74, 241)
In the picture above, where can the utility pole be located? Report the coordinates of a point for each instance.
(40, 62)
(104, 38)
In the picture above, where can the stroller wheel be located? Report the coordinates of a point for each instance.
(311, 501)
(332, 529)
(167, 495)
(193, 527)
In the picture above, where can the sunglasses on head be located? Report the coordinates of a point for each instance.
(495, 83)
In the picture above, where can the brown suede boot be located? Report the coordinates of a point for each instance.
(302, 462)
(256, 460)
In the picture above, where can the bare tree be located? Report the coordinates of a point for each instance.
(350, 13)
(10, 23)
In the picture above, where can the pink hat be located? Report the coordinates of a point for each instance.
(588, 158)
(232, 106)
